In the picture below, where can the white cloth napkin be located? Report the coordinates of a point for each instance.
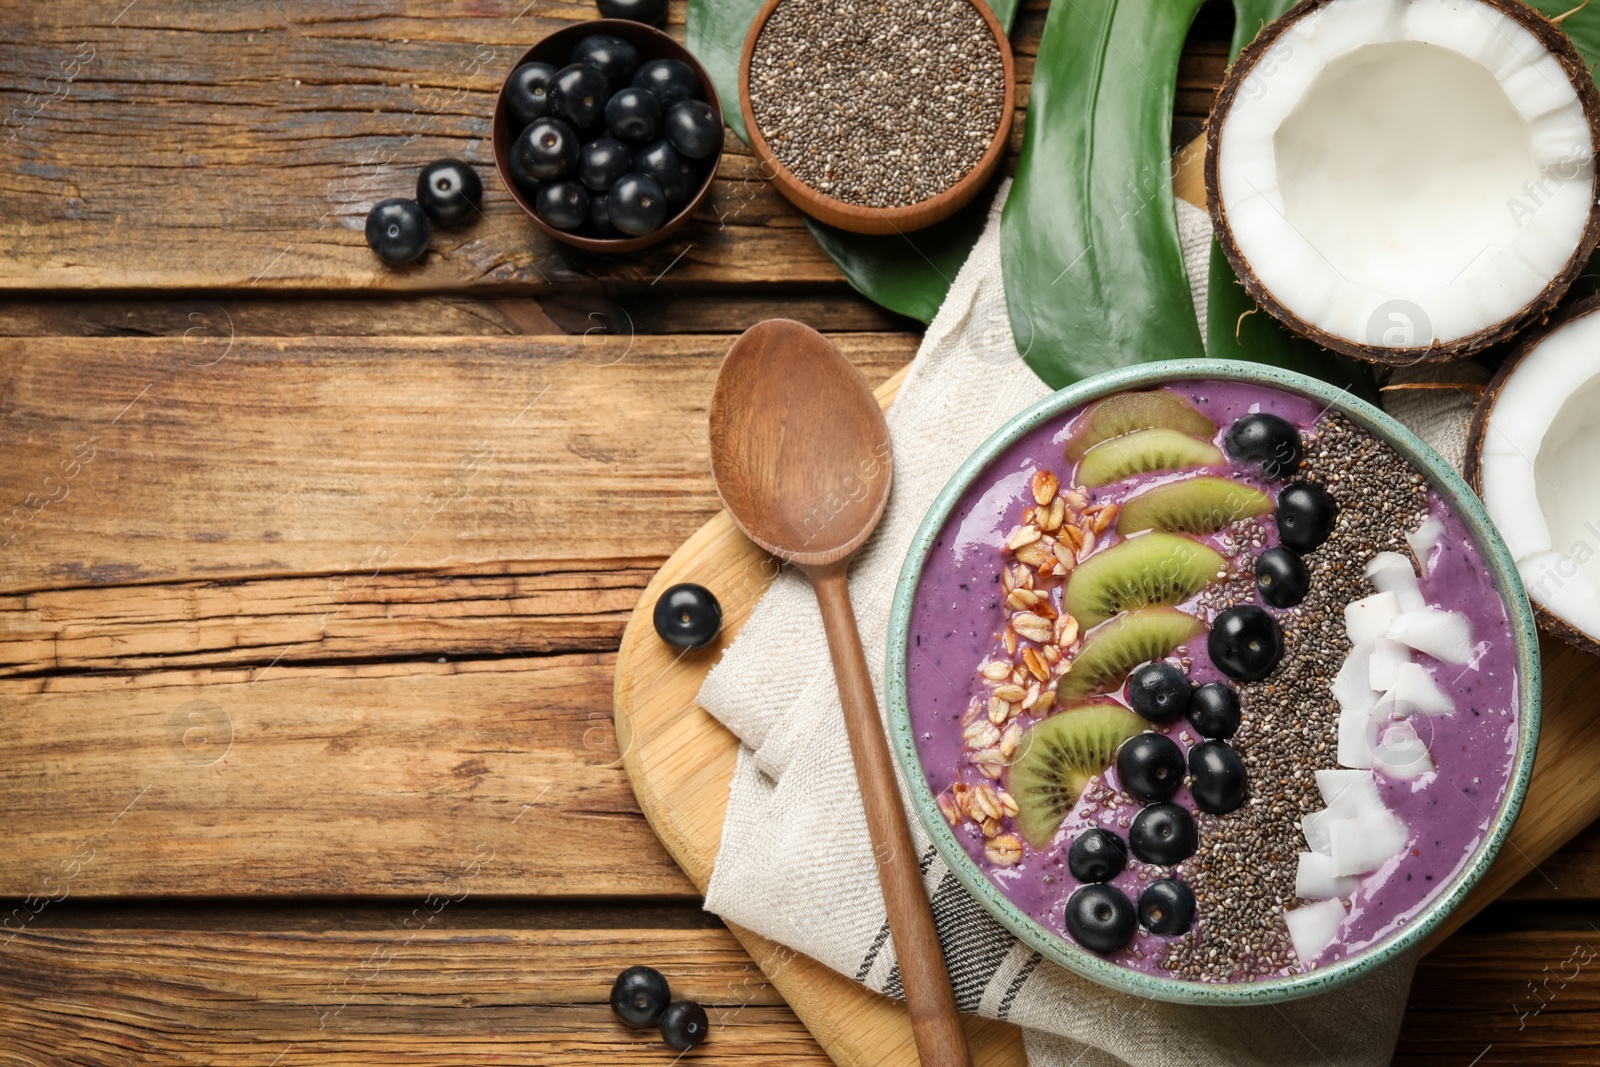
(795, 865)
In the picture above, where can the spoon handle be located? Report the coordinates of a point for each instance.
(934, 1022)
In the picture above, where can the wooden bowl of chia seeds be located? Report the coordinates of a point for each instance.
(877, 116)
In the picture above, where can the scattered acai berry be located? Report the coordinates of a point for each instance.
(527, 92)
(1166, 907)
(397, 229)
(670, 79)
(1218, 777)
(640, 995)
(1245, 643)
(649, 12)
(633, 116)
(692, 128)
(449, 191)
(1163, 834)
(1281, 577)
(638, 206)
(684, 1025)
(1100, 918)
(1306, 514)
(1150, 767)
(1097, 855)
(1267, 440)
(688, 616)
(1159, 691)
(611, 56)
(563, 204)
(578, 94)
(548, 148)
(1214, 710)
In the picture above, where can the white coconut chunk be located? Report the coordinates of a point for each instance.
(1349, 793)
(1423, 540)
(1374, 170)
(1355, 737)
(1444, 635)
(1364, 843)
(1313, 927)
(1390, 572)
(1352, 687)
(1385, 662)
(1369, 618)
(1315, 828)
(1314, 879)
(1400, 753)
(1416, 692)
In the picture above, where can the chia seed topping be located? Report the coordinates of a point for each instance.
(882, 103)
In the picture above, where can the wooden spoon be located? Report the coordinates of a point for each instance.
(802, 461)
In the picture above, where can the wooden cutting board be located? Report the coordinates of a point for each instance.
(680, 761)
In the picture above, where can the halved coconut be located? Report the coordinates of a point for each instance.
(1406, 179)
(1531, 455)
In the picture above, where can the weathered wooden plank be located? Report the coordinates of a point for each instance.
(391, 780)
(144, 460)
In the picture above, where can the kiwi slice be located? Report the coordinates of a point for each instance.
(1126, 412)
(1152, 568)
(1199, 505)
(1145, 450)
(1112, 650)
(1055, 759)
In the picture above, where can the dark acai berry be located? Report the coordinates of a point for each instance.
(548, 148)
(563, 204)
(633, 116)
(1167, 907)
(1097, 856)
(1163, 834)
(650, 12)
(1218, 778)
(449, 191)
(670, 79)
(1214, 710)
(640, 995)
(692, 128)
(688, 616)
(527, 92)
(600, 216)
(1159, 691)
(638, 206)
(1100, 918)
(397, 230)
(1245, 643)
(684, 1025)
(667, 166)
(1282, 578)
(611, 56)
(602, 161)
(578, 94)
(1266, 440)
(1150, 767)
(1306, 514)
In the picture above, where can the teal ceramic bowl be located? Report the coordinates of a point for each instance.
(1067, 953)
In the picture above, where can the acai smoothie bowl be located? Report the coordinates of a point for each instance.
(1212, 682)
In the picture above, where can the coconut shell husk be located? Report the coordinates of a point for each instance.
(1536, 311)
(1548, 621)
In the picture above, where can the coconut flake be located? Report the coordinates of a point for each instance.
(1365, 842)
(1312, 927)
(1314, 879)
(1315, 828)
(1390, 572)
(1387, 658)
(1444, 635)
(1349, 793)
(1423, 540)
(1369, 618)
(1416, 693)
(1400, 753)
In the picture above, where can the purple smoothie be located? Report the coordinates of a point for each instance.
(959, 611)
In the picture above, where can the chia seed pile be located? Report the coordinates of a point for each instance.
(1243, 873)
(882, 104)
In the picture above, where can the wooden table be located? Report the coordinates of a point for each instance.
(313, 571)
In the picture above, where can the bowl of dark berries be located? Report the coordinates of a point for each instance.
(607, 133)
(1213, 683)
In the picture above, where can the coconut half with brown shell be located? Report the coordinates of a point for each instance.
(1533, 455)
(1405, 180)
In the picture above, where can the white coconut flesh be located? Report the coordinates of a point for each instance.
(1541, 485)
(1400, 173)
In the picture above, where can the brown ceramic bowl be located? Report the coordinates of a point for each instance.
(556, 49)
(875, 220)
